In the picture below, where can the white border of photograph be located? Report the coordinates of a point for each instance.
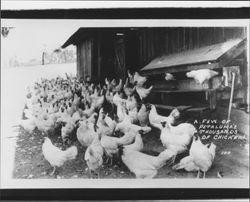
(24, 5)
(126, 183)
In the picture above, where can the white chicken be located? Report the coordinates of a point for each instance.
(94, 155)
(120, 112)
(126, 125)
(133, 115)
(143, 115)
(111, 123)
(28, 124)
(110, 146)
(143, 92)
(28, 113)
(201, 75)
(130, 77)
(128, 88)
(117, 100)
(66, 131)
(28, 103)
(98, 102)
(143, 165)
(45, 125)
(109, 96)
(55, 156)
(127, 138)
(131, 103)
(76, 116)
(86, 133)
(169, 77)
(103, 126)
(140, 80)
(203, 155)
(187, 164)
(92, 118)
(89, 111)
(76, 102)
(193, 162)
(155, 119)
(177, 138)
(137, 144)
(118, 88)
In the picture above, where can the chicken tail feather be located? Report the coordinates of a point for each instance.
(71, 153)
(177, 166)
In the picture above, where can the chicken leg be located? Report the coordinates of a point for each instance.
(53, 172)
(204, 175)
(171, 161)
(198, 174)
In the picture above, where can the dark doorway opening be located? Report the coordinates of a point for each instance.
(132, 50)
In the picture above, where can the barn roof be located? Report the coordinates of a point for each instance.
(208, 55)
(79, 35)
(84, 32)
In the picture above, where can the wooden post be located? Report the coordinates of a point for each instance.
(231, 96)
(212, 99)
(43, 58)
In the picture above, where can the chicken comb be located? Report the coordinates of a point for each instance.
(196, 136)
(163, 124)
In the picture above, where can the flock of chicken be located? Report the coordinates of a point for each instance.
(110, 120)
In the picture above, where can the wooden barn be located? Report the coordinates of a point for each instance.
(110, 52)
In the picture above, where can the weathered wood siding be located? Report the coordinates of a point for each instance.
(85, 58)
(154, 42)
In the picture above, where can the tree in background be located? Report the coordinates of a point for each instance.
(5, 31)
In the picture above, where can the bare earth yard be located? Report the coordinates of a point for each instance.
(231, 160)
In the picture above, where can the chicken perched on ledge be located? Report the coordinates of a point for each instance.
(169, 77)
(202, 75)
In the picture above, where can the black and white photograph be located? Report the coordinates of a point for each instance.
(144, 103)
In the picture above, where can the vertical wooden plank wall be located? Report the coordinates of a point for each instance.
(78, 64)
(85, 58)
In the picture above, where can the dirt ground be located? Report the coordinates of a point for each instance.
(231, 160)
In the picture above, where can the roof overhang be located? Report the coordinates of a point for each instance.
(209, 57)
(78, 36)
(84, 32)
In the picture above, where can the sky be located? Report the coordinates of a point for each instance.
(29, 38)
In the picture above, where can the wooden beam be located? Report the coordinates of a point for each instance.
(212, 99)
(170, 108)
(225, 94)
(187, 84)
(181, 91)
(175, 69)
